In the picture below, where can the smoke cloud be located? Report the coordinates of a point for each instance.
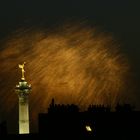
(72, 64)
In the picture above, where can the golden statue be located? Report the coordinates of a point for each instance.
(21, 66)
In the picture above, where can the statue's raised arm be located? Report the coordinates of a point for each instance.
(21, 66)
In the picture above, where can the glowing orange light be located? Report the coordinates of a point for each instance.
(73, 65)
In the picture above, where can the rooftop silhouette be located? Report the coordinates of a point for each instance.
(66, 121)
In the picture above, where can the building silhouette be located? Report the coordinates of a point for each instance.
(97, 122)
(3, 128)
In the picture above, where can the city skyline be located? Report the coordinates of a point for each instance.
(30, 30)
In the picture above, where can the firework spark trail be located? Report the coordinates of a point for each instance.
(72, 65)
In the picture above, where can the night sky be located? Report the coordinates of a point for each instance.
(120, 18)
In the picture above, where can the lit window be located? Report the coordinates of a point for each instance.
(88, 128)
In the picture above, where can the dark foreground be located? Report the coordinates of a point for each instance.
(98, 122)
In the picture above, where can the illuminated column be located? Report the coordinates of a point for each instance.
(23, 89)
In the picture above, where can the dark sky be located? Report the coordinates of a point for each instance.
(121, 18)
